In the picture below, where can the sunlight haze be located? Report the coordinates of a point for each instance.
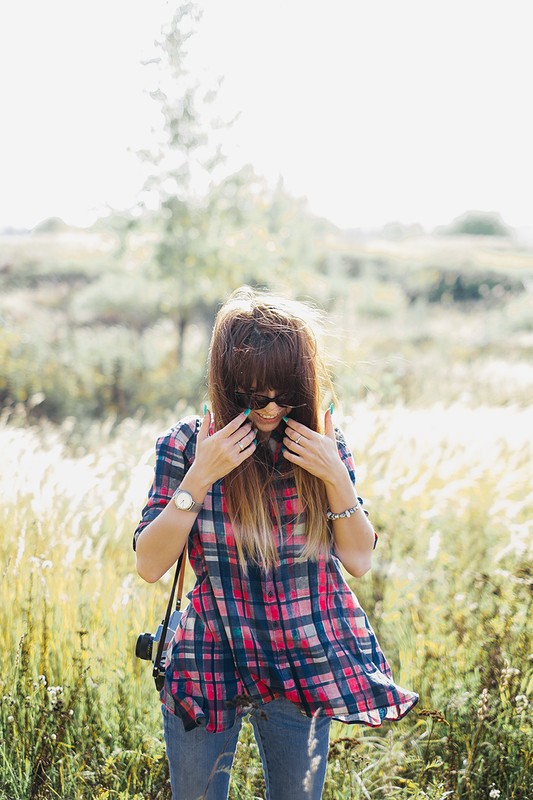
(410, 112)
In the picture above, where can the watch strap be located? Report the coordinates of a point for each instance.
(194, 506)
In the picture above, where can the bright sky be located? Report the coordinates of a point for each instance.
(376, 111)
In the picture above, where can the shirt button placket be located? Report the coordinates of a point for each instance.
(274, 615)
(271, 606)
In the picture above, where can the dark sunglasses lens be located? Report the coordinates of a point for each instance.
(242, 400)
(259, 401)
(285, 400)
(281, 400)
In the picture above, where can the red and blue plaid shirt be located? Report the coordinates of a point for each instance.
(250, 636)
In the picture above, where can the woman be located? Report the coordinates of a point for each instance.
(262, 491)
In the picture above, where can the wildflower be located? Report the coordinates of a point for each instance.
(41, 562)
(508, 673)
(483, 705)
(521, 703)
(11, 718)
(42, 680)
(55, 693)
(308, 780)
(53, 737)
(312, 740)
(494, 793)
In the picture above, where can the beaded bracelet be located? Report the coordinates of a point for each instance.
(348, 513)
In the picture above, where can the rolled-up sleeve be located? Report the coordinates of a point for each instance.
(175, 451)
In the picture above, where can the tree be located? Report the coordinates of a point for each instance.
(478, 223)
(184, 162)
(215, 232)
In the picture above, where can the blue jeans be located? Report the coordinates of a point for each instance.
(292, 746)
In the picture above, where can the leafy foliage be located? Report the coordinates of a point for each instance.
(478, 223)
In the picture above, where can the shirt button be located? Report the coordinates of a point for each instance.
(271, 595)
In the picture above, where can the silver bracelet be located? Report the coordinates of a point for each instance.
(348, 513)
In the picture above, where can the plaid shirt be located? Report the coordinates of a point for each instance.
(247, 637)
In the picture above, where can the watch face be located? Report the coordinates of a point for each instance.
(183, 501)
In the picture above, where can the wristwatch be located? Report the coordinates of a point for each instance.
(184, 502)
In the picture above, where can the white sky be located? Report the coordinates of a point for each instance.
(411, 110)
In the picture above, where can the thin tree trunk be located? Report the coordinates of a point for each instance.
(181, 325)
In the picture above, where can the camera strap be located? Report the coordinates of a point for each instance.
(179, 575)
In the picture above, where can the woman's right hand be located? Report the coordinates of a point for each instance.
(219, 454)
(163, 539)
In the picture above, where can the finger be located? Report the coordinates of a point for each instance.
(329, 428)
(245, 441)
(203, 433)
(292, 447)
(246, 448)
(291, 456)
(241, 433)
(294, 428)
(294, 439)
(235, 424)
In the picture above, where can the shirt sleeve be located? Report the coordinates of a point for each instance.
(175, 452)
(347, 458)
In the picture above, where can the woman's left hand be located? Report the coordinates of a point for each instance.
(315, 452)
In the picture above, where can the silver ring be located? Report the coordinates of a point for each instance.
(240, 446)
(297, 441)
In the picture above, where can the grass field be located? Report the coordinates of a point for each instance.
(449, 596)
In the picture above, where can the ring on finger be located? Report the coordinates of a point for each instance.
(297, 441)
(240, 446)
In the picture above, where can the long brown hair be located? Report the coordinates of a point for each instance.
(264, 342)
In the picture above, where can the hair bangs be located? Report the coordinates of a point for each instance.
(268, 360)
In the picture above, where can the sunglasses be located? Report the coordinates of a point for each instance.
(258, 401)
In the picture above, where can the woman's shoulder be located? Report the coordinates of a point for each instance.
(340, 437)
(181, 433)
(345, 452)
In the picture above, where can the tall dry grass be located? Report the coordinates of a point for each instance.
(449, 596)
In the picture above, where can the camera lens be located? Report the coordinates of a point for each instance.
(143, 648)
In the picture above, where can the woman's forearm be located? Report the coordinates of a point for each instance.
(159, 544)
(353, 535)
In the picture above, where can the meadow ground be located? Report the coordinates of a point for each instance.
(449, 595)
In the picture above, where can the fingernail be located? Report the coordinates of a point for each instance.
(205, 409)
(282, 448)
(247, 412)
(331, 408)
(255, 440)
(285, 419)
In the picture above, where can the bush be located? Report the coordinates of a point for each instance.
(443, 285)
(97, 371)
(478, 223)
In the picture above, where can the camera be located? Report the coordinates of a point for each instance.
(147, 644)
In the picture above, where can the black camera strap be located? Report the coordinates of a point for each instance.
(157, 673)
